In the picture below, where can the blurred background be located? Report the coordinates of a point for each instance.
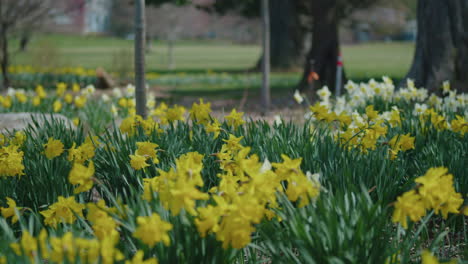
(205, 47)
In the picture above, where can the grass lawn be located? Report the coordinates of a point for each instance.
(361, 61)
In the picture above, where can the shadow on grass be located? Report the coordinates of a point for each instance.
(232, 93)
(239, 92)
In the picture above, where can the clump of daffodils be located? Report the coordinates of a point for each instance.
(247, 193)
(63, 211)
(67, 248)
(178, 188)
(358, 96)
(434, 191)
(146, 150)
(11, 155)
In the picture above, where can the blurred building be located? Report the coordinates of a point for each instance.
(80, 16)
(170, 22)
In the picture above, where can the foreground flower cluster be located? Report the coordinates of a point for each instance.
(183, 186)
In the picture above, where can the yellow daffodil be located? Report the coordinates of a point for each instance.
(234, 119)
(10, 211)
(411, 205)
(57, 106)
(152, 230)
(138, 259)
(200, 113)
(82, 176)
(53, 148)
(147, 149)
(63, 211)
(138, 162)
(61, 89)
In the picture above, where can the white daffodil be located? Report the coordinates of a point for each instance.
(298, 97)
(278, 120)
(446, 87)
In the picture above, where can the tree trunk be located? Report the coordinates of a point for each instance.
(140, 92)
(5, 57)
(170, 53)
(286, 38)
(322, 57)
(266, 56)
(24, 41)
(442, 45)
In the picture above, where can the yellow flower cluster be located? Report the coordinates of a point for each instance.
(428, 258)
(103, 224)
(82, 176)
(435, 191)
(200, 113)
(146, 150)
(63, 211)
(400, 143)
(11, 157)
(234, 119)
(28, 69)
(247, 193)
(130, 125)
(11, 210)
(72, 249)
(162, 112)
(438, 121)
(366, 132)
(54, 249)
(459, 125)
(11, 161)
(152, 229)
(177, 189)
(84, 152)
(77, 97)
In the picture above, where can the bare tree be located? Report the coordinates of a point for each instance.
(168, 21)
(21, 18)
(14, 15)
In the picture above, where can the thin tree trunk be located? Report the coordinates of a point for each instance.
(442, 45)
(323, 54)
(266, 56)
(170, 53)
(140, 92)
(5, 56)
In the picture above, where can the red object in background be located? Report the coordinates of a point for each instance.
(339, 62)
(313, 76)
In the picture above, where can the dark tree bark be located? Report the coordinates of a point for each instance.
(322, 57)
(441, 45)
(323, 54)
(287, 36)
(24, 41)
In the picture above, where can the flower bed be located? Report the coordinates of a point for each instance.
(375, 176)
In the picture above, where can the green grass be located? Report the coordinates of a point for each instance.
(361, 61)
(378, 59)
(92, 52)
